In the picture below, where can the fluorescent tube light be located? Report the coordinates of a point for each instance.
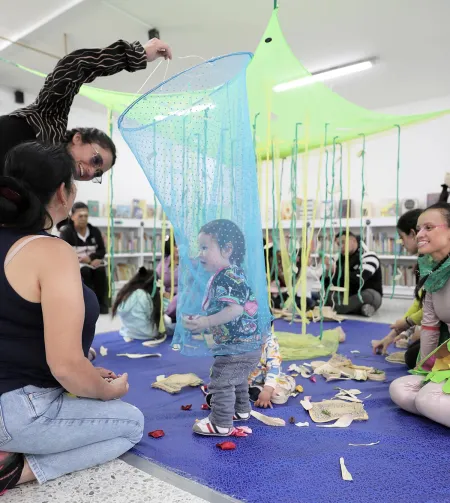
(187, 111)
(333, 73)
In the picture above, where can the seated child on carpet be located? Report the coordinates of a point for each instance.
(232, 320)
(267, 383)
(139, 312)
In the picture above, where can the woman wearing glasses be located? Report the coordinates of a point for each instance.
(46, 118)
(428, 394)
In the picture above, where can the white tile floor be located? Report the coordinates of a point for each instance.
(138, 480)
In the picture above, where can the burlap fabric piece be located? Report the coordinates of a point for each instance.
(175, 382)
(329, 410)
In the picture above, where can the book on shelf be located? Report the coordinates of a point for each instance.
(148, 243)
(94, 208)
(125, 242)
(405, 275)
(106, 209)
(124, 272)
(139, 208)
(123, 211)
(342, 210)
(383, 244)
(309, 209)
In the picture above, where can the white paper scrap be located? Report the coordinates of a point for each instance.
(343, 422)
(302, 424)
(355, 351)
(293, 368)
(140, 355)
(160, 378)
(348, 398)
(346, 475)
(270, 421)
(365, 445)
(307, 405)
(127, 339)
(103, 350)
(368, 396)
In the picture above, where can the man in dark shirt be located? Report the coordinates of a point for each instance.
(46, 118)
(364, 271)
(88, 243)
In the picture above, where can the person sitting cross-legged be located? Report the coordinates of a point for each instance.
(365, 272)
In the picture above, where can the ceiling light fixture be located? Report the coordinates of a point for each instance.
(332, 73)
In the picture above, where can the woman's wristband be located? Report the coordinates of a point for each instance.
(409, 322)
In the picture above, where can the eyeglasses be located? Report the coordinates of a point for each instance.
(97, 162)
(429, 227)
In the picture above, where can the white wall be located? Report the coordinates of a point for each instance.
(425, 158)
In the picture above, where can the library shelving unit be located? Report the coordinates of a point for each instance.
(133, 245)
(379, 235)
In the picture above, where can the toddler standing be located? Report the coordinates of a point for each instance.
(231, 325)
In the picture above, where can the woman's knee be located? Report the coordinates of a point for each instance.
(134, 428)
(404, 391)
(434, 404)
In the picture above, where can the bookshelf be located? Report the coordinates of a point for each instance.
(133, 240)
(378, 234)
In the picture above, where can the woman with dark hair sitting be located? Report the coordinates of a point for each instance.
(407, 230)
(46, 118)
(47, 324)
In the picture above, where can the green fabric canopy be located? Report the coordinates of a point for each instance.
(312, 106)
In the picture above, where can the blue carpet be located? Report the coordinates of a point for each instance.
(291, 464)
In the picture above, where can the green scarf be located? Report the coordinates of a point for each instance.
(438, 272)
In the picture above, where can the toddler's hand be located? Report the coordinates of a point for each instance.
(196, 325)
(264, 399)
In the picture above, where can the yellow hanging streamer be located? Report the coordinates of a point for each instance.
(285, 260)
(347, 231)
(267, 185)
(108, 227)
(163, 263)
(268, 149)
(315, 206)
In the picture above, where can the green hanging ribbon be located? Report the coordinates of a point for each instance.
(363, 191)
(155, 286)
(333, 175)
(275, 230)
(322, 279)
(340, 219)
(397, 208)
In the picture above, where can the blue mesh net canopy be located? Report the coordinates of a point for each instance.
(192, 137)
